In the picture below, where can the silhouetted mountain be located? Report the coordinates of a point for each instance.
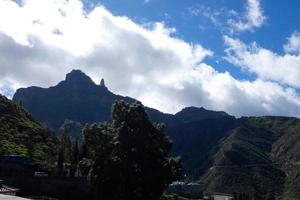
(76, 98)
(191, 114)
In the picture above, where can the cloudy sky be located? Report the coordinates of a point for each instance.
(240, 56)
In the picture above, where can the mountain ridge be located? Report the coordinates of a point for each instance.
(76, 85)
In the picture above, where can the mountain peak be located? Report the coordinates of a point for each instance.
(195, 113)
(78, 77)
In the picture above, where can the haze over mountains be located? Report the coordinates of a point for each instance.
(257, 155)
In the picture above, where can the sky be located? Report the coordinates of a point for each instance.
(238, 56)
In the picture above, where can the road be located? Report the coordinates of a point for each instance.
(7, 197)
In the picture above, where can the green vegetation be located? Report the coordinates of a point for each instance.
(73, 129)
(130, 155)
(20, 134)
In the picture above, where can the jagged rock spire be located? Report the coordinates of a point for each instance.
(102, 83)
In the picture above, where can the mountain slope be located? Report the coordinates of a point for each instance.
(20, 134)
(258, 159)
(197, 141)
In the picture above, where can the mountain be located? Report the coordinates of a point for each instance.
(76, 98)
(191, 114)
(79, 99)
(260, 157)
(197, 141)
(20, 134)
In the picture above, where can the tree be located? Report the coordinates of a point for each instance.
(73, 128)
(75, 159)
(64, 152)
(131, 155)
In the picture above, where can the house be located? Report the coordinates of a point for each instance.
(218, 196)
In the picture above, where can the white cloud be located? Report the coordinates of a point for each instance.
(253, 18)
(42, 41)
(230, 21)
(293, 45)
(264, 63)
(215, 16)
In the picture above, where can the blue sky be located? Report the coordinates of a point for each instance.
(282, 18)
(239, 56)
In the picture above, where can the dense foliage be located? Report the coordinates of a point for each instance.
(21, 135)
(73, 129)
(131, 155)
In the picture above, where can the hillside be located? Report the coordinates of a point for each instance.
(259, 158)
(196, 142)
(20, 134)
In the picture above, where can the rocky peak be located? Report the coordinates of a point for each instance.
(77, 77)
(194, 114)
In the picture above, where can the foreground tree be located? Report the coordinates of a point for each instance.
(131, 155)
